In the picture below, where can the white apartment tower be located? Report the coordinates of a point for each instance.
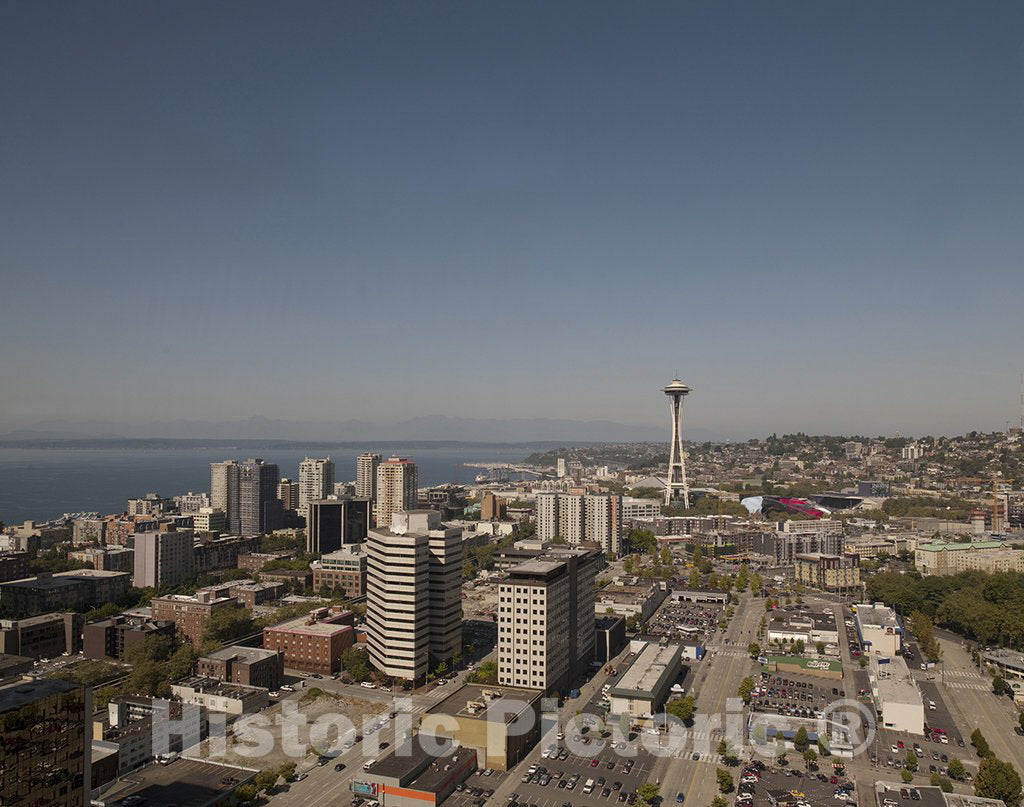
(571, 518)
(413, 594)
(163, 558)
(547, 516)
(366, 475)
(224, 493)
(604, 521)
(397, 480)
(316, 481)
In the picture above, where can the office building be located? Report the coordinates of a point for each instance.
(163, 558)
(288, 493)
(44, 636)
(640, 509)
(313, 643)
(111, 638)
(190, 614)
(397, 480)
(332, 523)
(257, 497)
(642, 690)
(79, 590)
(219, 696)
(248, 666)
(342, 572)
(366, 476)
(224, 479)
(897, 698)
(801, 538)
(316, 481)
(413, 594)
(546, 619)
(412, 776)
(492, 508)
(45, 756)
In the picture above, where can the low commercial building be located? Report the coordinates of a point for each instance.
(500, 723)
(190, 614)
(878, 628)
(249, 593)
(44, 636)
(191, 781)
(342, 571)
(254, 561)
(1009, 663)
(700, 595)
(248, 666)
(412, 777)
(644, 687)
(293, 578)
(218, 696)
(628, 597)
(110, 638)
(896, 695)
(836, 573)
(313, 643)
(807, 626)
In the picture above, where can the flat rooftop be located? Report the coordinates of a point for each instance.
(183, 783)
(241, 653)
(302, 624)
(21, 693)
(1013, 659)
(894, 682)
(881, 616)
(648, 669)
(405, 758)
(472, 700)
(214, 686)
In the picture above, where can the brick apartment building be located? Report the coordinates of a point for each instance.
(190, 614)
(110, 638)
(13, 566)
(313, 643)
(344, 570)
(249, 666)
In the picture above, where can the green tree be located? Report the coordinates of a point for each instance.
(246, 793)
(906, 776)
(753, 649)
(755, 583)
(940, 781)
(723, 747)
(956, 769)
(980, 743)
(910, 761)
(819, 646)
(695, 579)
(718, 801)
(745, 689)
(682, 708)
(998, 780)
(999, 685)
(800, 739)
(356, 662)
(725, 782)
(228, 624)
(810, 757)
(647, 793)
(486, 673)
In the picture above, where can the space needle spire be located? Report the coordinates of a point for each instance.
(676, 391)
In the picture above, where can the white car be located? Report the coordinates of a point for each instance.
(368, 685)
(894, 749)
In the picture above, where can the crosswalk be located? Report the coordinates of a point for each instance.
(972, 685)
(731, 653)
(962, 674)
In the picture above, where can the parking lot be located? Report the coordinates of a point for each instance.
(795, 695)
(562, 777)
(685, 621)
(793, 786)
(480, 785)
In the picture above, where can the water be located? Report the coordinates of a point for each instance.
(43, 483)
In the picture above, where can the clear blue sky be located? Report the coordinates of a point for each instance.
(813, 212)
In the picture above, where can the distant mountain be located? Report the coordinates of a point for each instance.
(426, 427)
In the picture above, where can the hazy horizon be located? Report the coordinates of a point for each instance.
(812, 214)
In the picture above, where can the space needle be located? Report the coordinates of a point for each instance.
(677, 390)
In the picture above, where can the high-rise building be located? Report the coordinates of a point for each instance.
(397, 480)
(316, 481)
(492, 508)
(331, 523)
(546, 619)
(571, 517)
(413, 594)
(163, 558)
(604, 521)
(366, 475)
(224, 492)
(547, 516)
(257, 488)
(45, 757)
(288, 493)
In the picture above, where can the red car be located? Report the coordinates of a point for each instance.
(593, 763)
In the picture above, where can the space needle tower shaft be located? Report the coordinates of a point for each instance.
(676, 391)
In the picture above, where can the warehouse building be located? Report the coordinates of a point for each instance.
(879, 629)
(896, 695)
(412, 777)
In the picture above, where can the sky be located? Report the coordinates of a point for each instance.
(812, 213)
